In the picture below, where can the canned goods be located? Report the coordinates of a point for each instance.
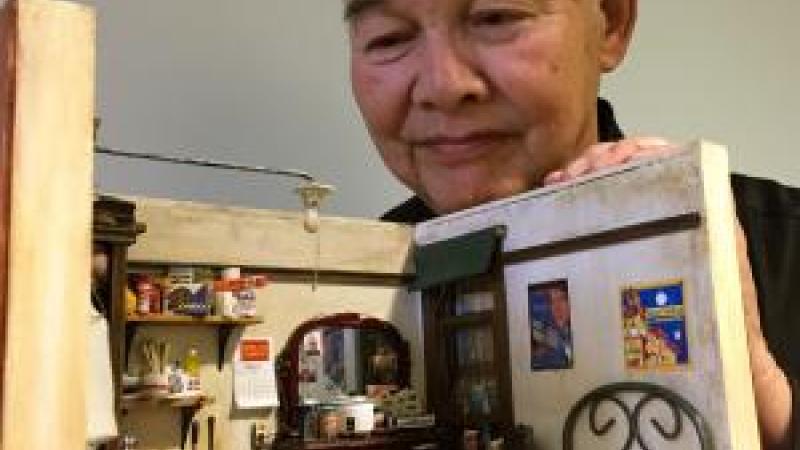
(329, 423)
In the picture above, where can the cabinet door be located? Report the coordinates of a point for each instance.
(466, 347)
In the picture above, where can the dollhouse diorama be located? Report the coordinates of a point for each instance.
(604, 313)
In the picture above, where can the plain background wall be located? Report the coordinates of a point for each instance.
(265, 83)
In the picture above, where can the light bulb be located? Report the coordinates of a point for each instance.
(312, 194)
(311, 220)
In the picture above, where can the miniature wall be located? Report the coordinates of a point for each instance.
(696, 316)
(182, 232)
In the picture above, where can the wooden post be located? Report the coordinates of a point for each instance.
(46, 159)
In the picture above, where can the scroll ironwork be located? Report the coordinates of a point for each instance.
(609, 394)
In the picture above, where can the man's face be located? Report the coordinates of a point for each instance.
(559, 306)
(474, 100)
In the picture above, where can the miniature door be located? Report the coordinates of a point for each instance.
(466, 334)
(624, 308)
(47, 84)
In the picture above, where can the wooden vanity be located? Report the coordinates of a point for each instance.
(399, 439)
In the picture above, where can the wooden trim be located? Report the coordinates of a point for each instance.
(502, 349)
(672, 224)
(296, 274)
(8, 43)
(174, 320)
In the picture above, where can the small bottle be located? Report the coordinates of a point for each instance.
(191, 366)
(128, 442)
(176, 384)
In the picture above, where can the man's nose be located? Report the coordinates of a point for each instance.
(448, 76)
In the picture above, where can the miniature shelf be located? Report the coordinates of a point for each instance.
(188, 405)
(224, 327)
(474, 319)
(164, 319)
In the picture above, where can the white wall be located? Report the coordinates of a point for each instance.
(265, 82)
(723, 69)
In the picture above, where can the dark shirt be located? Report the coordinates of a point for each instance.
(770, 216)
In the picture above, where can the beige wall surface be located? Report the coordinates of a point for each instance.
(284, 304)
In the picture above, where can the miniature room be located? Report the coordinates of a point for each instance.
(195, 254)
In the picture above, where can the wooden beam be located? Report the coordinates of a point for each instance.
(47, 296)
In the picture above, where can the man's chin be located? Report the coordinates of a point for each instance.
(453, 203)
(445, 201)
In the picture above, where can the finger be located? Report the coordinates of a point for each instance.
(553, 178)
(616, 154)
(596, 157)
(577, 168)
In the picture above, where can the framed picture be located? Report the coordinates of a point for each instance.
(551, 333)
(654, 326)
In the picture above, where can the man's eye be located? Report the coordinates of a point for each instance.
(386, 41)
(493, 18)
(388, 47)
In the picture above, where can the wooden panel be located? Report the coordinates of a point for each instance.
(50, 219)
(7, 49)
(187, 232)
(613, 231)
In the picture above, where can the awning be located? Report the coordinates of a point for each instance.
(456, 258)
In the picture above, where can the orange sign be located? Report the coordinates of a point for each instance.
(254, 350)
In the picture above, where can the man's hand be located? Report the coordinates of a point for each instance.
(773, 396)
(609, 154)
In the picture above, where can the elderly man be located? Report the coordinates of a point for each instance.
(469, 101)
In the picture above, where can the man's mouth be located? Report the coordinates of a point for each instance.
(456, 149)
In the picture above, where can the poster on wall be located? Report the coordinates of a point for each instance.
(551, 332)
(654, 326)
(254, 383)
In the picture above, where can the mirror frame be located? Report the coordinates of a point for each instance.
(289, 359)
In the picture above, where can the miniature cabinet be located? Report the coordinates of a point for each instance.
(380, 359)
(114, 229)
(466, 333)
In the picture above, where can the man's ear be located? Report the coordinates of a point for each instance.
(620, 18)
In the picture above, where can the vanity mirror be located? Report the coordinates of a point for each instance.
(340, 355)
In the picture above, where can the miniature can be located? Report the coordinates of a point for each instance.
(471, 440)
(328, 422)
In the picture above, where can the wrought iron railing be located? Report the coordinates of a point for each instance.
(635, 415)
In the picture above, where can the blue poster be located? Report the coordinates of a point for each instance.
(654, 325)
(551, 332)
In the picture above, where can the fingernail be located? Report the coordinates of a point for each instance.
(553, 177)
(653, 142)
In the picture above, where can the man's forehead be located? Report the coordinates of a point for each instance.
(353, 8)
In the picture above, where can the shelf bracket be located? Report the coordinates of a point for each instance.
(223, 335)
(187, 414)
(130, 334)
